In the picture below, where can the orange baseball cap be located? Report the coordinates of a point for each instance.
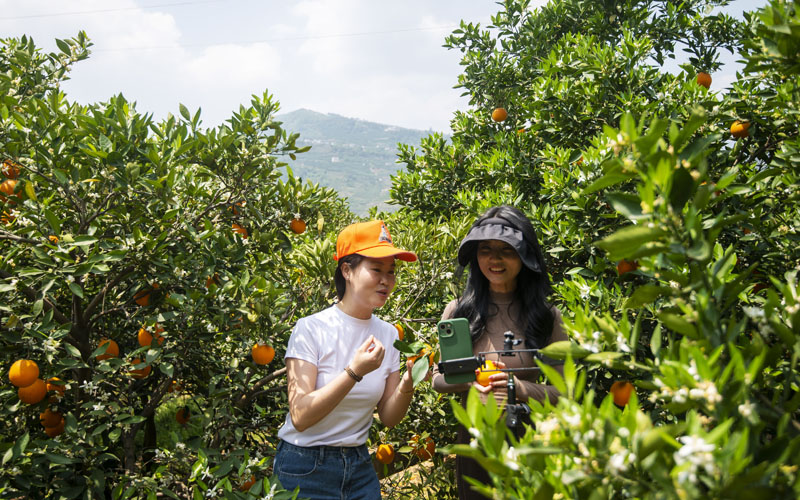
(370, 239)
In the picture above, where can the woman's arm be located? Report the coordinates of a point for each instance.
(396, 397)
(307, 404)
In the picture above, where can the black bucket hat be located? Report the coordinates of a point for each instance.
(496, 228)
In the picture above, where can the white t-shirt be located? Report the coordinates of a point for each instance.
(329, 340)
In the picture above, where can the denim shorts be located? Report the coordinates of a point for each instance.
(327, 472)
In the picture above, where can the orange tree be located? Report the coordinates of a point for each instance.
(615, 159)
(116, 223)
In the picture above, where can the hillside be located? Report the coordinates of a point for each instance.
(355, 157)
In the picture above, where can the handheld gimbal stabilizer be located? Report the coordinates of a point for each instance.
(515, 412)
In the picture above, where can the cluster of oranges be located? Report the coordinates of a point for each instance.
(10, 172)
(24, 374)
(424, 449)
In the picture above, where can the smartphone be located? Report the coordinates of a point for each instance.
(455, 342)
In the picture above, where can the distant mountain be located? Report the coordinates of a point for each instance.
(354, 157)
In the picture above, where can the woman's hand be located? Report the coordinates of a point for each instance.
(368, 357)
(498, 383)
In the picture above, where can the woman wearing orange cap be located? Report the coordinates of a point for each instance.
(341, 364)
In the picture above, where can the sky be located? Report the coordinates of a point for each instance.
(368, 59)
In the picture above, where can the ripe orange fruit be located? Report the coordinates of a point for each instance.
(7, 188)
(140, 373)
(385, 454)
(212, 280)
(182, 415)
(739, 129)
(55, 430)
(298, 226)
(425, 351)
(175, 386)
(10, 169)
(426, 451)
(486, 370)
(621, 390)
(142, 297)
(233, 208)
(53, 239)
(704, 79)
(50, 418)
(23, 372)
(33, 393)
(112, 351)
(626, 266)
(245, 486)
(55, 384)
(262, 354)
(499, 114)
(400, 332)
(146, 338)
(239, 229)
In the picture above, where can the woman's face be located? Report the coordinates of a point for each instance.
(500, 264)
(369, 284)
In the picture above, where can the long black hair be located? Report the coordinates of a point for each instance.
(533, 287)
(353, 260)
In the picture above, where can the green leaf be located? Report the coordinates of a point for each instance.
(678, 324)
(185, 112)
(624, 242)
(560, 350)
(599, 357)
(420, 370)
(655, 341)
(76, 289)
(627, 204)
(55, 223)
(645, 294)
(18, 448)
(555, 378)
(682, 188)
(30, 192)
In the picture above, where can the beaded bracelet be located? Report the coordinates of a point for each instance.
(350, 372)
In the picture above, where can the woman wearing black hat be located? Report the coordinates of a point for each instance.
(507, 289)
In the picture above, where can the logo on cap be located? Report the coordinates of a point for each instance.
(384, 237)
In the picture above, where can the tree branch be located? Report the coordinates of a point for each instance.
(31, 296)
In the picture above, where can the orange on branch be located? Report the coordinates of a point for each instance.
(141, 372)
(55, 430)
(262, 354)
(298, 225)
(50, 418)
(212, 280)
(182, 416)
(146, 338)
(739, 129)
(55, 384)
(401, 333)
(23, 372)
(499, 114)
(486, 370)
(245, 486)
(7, 188)
(385, 454)
(142, 297)
(33, 393)
(112, 351)
(426, 450)
(11, 169)
(626, 266)
(621, 390)
(239, 229)
(704, 79)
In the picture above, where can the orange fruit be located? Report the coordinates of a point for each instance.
(112, 351)
(385, 454)
(262, 354)
(245, 486)
(499, 114)
(55, 384)
(10, 169)
(50, 418)
(621, 390)
(55, 430)
(140, 373)
(212, 280)
(298, 226)
(53, 239)
(239, 229)
(483, 373)
(233, 208)
(23, 372)
(7, 188)
(626, 266)
(175, 386)
(182, 416)
(33, 393)
(426, 451)
(704, 79)
(146, 338)
(142, 297)
(739, 129)
(400, 332)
